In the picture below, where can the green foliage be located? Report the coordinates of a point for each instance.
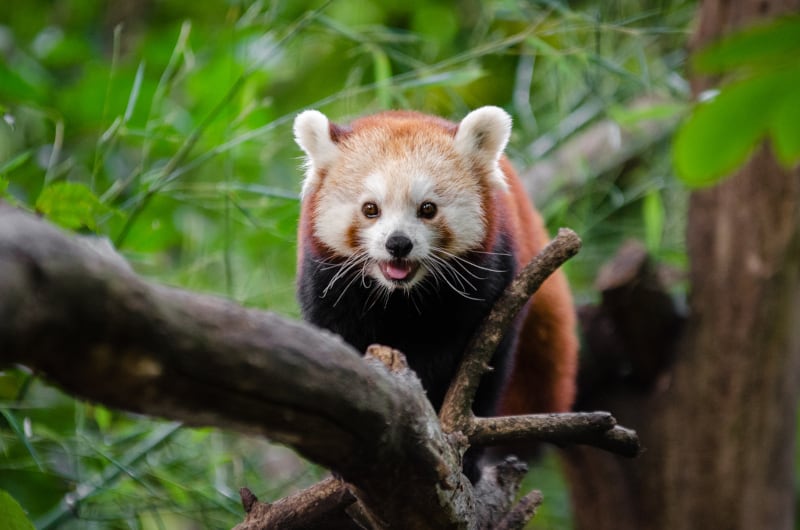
(13, 515)
(764, 47)
(71, 205)
(166, 127)
(653, 216)
(759, 100)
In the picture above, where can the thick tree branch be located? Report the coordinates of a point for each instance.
(101, 332)
(75, 311)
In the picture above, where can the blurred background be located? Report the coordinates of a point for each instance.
(165, 126)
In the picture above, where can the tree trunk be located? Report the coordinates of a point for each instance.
(718, 425)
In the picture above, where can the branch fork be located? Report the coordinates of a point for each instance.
(78, 315)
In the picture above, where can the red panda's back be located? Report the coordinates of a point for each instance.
(546, 360)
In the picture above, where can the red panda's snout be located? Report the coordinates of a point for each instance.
(399, 245)
(399, 269)
(397, 261)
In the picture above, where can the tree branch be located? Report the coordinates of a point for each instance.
(91, 325)
(73, 310)
(598, 429)
(320, 503)
(523, 512)
(456, 412)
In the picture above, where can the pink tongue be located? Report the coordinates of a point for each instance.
(397, 271)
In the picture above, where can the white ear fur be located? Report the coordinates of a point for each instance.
(312, 134)
(482, 135)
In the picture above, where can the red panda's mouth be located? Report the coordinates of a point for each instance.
(398, 270)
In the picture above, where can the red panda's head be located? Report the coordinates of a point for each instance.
(400, 195)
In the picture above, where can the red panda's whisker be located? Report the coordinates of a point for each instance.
(343, 270)
(441, 268)
(346, 287)
(470, 263)
(372, 299)
(381, 292)
(412, 297)
(447, 267)
(489, 253)
(464, 265)
(346, 268)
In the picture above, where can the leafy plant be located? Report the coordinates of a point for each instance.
(13, 516)
(757, 100)
(166, 128)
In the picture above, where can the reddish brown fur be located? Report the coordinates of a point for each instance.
(546, 361)
(543, 378)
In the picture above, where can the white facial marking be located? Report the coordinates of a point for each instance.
(398, 171)
(332, 222)
(422, 188)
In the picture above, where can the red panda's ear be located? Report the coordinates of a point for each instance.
(482, 135)
(312, 132)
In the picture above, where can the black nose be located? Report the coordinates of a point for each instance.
(398, 245)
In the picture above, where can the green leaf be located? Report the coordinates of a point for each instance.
(19, 430)
(785, 128)
(13, 517)
(22, 84)
(18, 160)
(103, 417)
(721, 133)
(627, 116)
(71, 205)
(383, 77)
(760, 46)
(653, 215)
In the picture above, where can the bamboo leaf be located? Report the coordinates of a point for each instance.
(383, 77)
(653, 215)
(13, 517)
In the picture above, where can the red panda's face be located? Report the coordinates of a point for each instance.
(402, 197)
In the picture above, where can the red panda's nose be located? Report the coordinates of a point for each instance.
(398, 245)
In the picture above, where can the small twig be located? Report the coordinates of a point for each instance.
(249, 499)
(620, 440)
(456, 412)
(598, 429)
(503, 476)
(523, 512)
(550, 427)
(305, 509)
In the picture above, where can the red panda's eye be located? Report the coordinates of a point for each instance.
(370, 209)
(427, 210)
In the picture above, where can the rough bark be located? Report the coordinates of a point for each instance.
(740, 356)
(718, 422)
(74, 311)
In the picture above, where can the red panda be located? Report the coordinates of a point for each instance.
(411, 226)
